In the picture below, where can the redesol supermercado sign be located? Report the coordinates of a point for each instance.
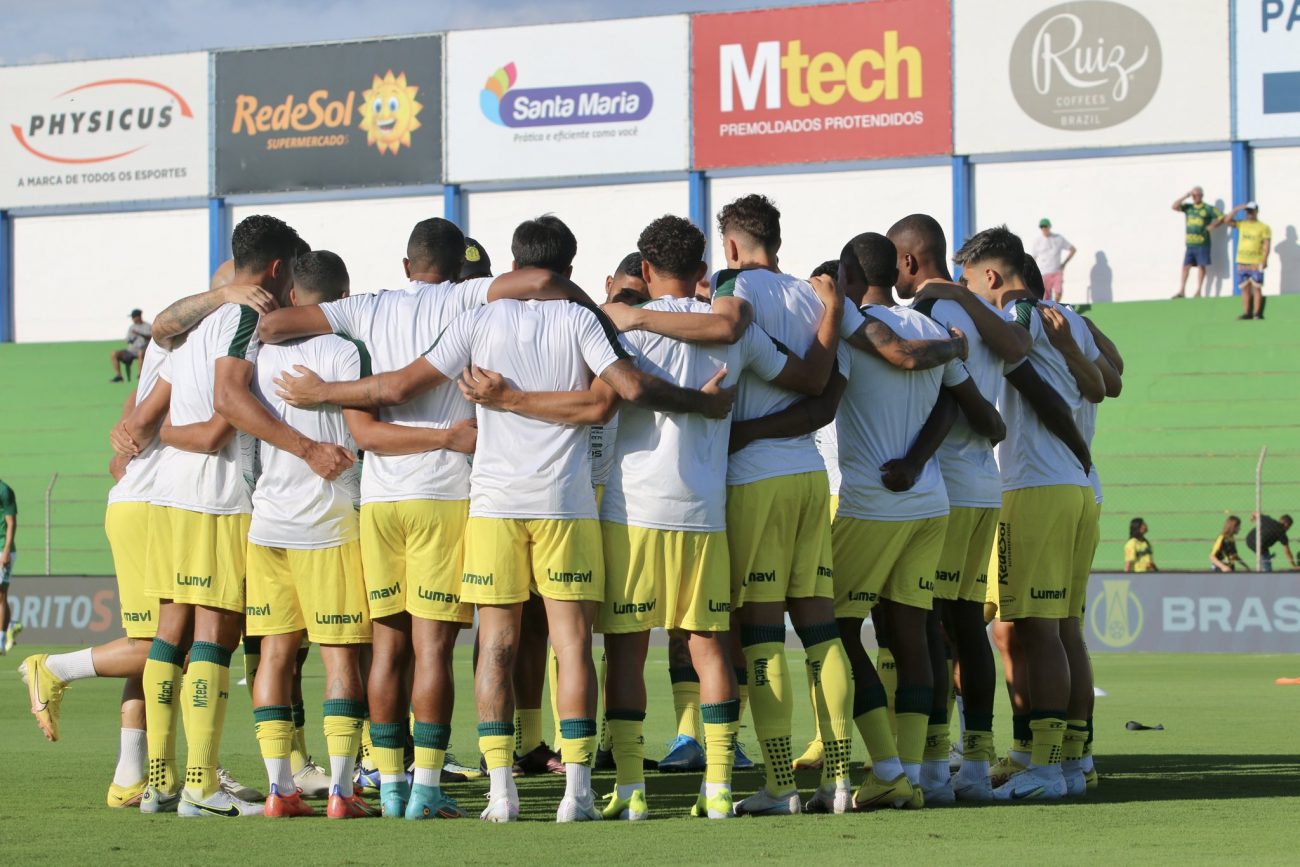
(844, 82)
(104, 131)
(329, 116)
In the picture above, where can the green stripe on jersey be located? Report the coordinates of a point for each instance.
(1025, 311)
(725, 284)
(243, 333)
(365, 356)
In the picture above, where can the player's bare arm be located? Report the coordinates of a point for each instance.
(306, 389)
(726, 323)
(203, 437)
(183, 315)
(650, 392)
(1086, 374)
(1052, 410)
(236, 403)
(384, 438)
(982, 416)
(1107, 347)
(537, 284)
(596, 404)
(876, 338)
(292, 323)
(1008, 341)
(900, 474)
(801, 417)
(142, 423)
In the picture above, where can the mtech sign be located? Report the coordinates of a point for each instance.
(104, 131)
(844, 82)
(329, 116)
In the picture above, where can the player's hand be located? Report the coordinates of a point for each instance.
(250, 296)
(827, 292)
(117, 467)
(463, 436)
(899, 475)
(624, 316)
(940, 290)
(963, 343)
(122, 442)
(328, 460)
(303, 391)
(719, 399)
(1057, 328)
(486, 387)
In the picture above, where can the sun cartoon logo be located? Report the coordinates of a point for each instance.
(389, 112)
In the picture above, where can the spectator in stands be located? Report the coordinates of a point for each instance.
(1200, 218)
(9, 511)
(1138, 556)
(1254, 243)
(1274, 533)
(137, 338)
(1223, 556)
(1052, 253)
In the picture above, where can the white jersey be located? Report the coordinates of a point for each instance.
(880, 415)
(523, 467)
(670, 471)
(397, 326)
(292, 506)
(603, 439)
(1032, 456)
(220, 483)
(137, 482)
(788, 310)
(828, 445)
(970, 472)
(1049, 252)
(1086, 416)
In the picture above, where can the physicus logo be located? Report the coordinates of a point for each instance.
(505, 105)
(1116, 613)
(1085, 65)
(101, 121)
(390, 112)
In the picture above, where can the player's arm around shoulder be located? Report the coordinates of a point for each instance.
(871, 333)
(1010, 340)
(725, 323)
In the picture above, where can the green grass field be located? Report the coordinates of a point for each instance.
(1220, 784)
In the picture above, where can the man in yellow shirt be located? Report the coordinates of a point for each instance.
(1254, 243)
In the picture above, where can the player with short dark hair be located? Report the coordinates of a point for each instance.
(544, 242)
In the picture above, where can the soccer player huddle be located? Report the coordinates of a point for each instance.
(560, 468)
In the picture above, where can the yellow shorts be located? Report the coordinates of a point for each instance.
(507, 558)
(127, 527)
(835, 505)
(1085, 548)
(158, 554)
(1037, 532)
(208, 558)
(671, 579)
(780, 539)
(962, 572)
(320, 590)
(412, 552)
(600, 496)
(891, 560)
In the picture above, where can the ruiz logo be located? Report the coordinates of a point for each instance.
(618, 102)
(1085, 65)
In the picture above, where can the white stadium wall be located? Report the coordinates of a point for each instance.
(370, 234)
(821, 212)
(76, 277)
(1116, 211)
(605, 219)
(1277, 189)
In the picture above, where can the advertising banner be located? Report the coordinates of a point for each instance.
(104, 131)
(1037, 74)
(850, 81)
(318, 117)
(62, 610)
(1172, 612)
(568, 100)
(1268, 69)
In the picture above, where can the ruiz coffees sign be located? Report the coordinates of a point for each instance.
(1092, 73)
(104, 131)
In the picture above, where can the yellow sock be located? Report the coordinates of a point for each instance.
(772, 694)
(606, 736)
(388, 748)
(721, 724)
(812, 695)
(978, 746)
(832, 678)
(686, 701)
(162, 688)
(888, 671)
(912, 710)
(367, 746)
(207, 689)
(938, 742)
(496, 741)
(343, 718)
(553, 681)
(871, 714)
(626, 730)
(1049, 733)
(431, 741)
(528, 729)
(1076, 736)
(274, 729)
(578, 741)
(252, 658)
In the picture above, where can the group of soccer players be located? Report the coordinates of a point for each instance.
(706, 512)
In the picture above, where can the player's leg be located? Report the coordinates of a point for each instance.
(964, 619)
(570, 627)
(162, 680)
(273, 716)
(1079, 718)
(936, 778)
(131, 773)
(207, 690)
(343, 716)
(498, 635)
(913, 699)
(720, 713)
(686, 752)
(534, 755)
(625, 707)
(432, 698)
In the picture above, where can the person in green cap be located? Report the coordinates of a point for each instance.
(1052, 252)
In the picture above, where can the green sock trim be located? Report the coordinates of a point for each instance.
(349, 707)
(162, 651)
(433, 736)
(299, 715)
(868, 698)
(978, 722)
(818, 633)
(751, 635)
(485, 729)
(1019, 727)
(913, 699)
(683, 675)
(272, 713)
(389, 736)
(742, 676)
(628, 715)
(206, 651)
(577, 728)
(721, 712)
